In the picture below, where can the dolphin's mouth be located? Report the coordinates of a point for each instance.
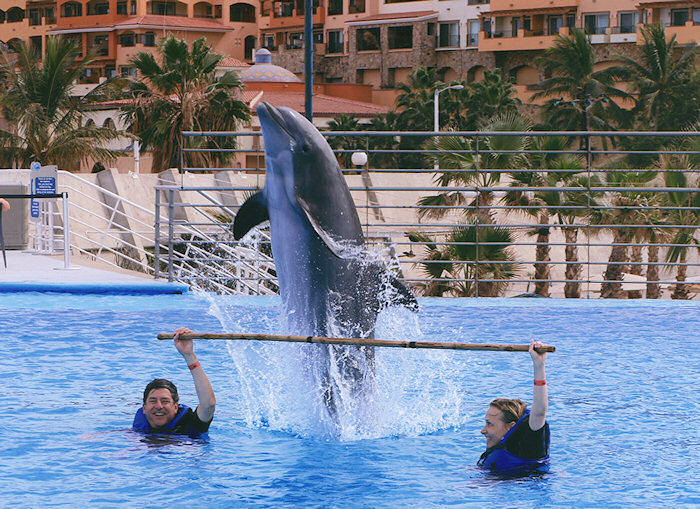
(275, 116)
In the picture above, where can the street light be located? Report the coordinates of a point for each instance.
(436, 122)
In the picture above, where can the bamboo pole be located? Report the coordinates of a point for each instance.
(360, 342)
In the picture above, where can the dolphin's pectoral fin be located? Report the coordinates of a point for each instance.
(331, 244)
(252, 213)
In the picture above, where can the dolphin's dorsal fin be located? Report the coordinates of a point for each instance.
(331, 244)
(252, 213)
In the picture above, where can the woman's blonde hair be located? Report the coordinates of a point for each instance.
(513, 409)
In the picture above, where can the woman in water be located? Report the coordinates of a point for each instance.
(517, 438)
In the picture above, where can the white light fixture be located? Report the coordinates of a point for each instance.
(359, 158)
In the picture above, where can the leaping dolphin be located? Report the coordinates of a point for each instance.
(328, 285)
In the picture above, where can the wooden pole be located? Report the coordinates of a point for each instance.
(360, 342)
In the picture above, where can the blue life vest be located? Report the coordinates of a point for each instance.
(500, 460)
(141, 423)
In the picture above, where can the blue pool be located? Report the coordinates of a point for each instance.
(623, 408)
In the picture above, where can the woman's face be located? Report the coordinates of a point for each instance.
(495, 428)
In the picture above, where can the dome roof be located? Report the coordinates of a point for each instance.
(264, 71)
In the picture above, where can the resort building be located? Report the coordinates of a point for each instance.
(368, 42)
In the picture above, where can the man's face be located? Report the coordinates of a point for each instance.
(159, 408)
(495, 429)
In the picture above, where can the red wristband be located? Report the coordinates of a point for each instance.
(194, 366)
(537, 382)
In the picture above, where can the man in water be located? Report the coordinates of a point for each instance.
(517, 439)
(161, 412)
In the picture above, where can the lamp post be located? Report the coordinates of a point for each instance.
(436, 105)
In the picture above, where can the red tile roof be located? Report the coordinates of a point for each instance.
(153, 21)
(323, 105)
(396, 15)
(231, 62)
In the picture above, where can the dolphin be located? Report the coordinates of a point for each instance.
(328, 282)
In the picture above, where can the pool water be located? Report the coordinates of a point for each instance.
(623, 407)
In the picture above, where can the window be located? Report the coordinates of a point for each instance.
(35, 44)
(149, 39)
(401, 37)
(15, 15)
(554, 23)
(121, 8)
(335, 42)
(295, 41)
(317, 37)
(596, 23)
(242, 12)
(449, 35)
(268, 41)
(127, 40)
(356, 6)
(126, 71)
(50, 15)
(527, 23)
(71, 10)
(96, 9)
(34, 17)
(515, 26)
(628, 22)
(473, 33)
(335, 7)
(679, 17)
(163, 8)
(367, 39)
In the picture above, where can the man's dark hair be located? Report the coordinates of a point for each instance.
(161, 383)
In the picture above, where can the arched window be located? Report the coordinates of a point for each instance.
(242, 12)
(13, 44)
(3, 16)
(203, 10)
(97, 7)
(71, 10)
(127, 39)
(90, 123)
(476, 73)
(109, 123)
(15, 15)
(525, 75)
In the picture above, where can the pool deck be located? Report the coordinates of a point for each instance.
(30, 272)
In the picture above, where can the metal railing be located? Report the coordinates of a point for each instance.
(592, 229)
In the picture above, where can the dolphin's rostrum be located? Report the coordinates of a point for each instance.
(328, 285)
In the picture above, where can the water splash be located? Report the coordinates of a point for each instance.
(280, 385)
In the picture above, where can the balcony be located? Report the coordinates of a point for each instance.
(531, 5)
(625, 33)
(685, 34)
(507, 40)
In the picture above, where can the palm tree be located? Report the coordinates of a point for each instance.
(580, 97)
(663, 83)
(628, 210)
(45, 117)
(686, 216)
(475, 261)
(565, 207)
(482, 101)
(182, 93)
(476, 162)
(349, 144)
